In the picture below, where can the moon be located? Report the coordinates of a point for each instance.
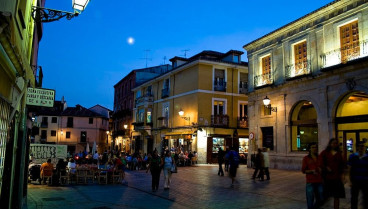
(130, 40)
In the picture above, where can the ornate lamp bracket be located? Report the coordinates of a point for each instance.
(40, 14)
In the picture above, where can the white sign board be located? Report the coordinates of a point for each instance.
(40, 97)
(40, 153)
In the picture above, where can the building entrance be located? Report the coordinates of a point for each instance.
(352, 121)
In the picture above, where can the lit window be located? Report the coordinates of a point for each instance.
(266, 65)
(300, 56)
(349, 41)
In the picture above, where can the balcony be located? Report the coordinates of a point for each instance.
(138, 123)
(243, 122)
(144, 100)
(243, 87)
(262, 80)
(220, 120)
(346, 54)
(219, 85)
(165, 93)
(292, 71)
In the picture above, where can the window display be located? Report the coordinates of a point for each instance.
(243, 145)
(217, 143)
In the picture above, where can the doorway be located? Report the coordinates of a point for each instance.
(350, 139)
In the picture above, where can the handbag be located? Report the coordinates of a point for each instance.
(173, 168)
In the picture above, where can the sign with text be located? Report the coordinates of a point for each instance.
(40, 153)
(40, 97)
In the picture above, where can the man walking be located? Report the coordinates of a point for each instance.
(220, 159)
(234, 164)
(358, 169)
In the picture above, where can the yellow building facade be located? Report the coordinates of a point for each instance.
(19, 38)
(200, 105)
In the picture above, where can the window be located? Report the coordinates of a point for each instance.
(243, 83)
(236, 58)
(149, 116)
(267, 137)
(53, 133)
(149, 91)
(140, 115)
(83, 137)
(90, 121)
(218, 108)
(217, 144)
(300, 56)
(266, 65)
(165, 114)
(304, 127)
(44, 121)
(349, 41)
(70, 122)
(220, 80)
(243, 110)
(43, 134)
(167, 83)
(67, 135)
(54, 120)
(138, 94)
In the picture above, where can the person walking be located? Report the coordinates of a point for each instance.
(358, 170)
(332, 165)
(154, 165)
(265, 164)
(258, 163)
(314, 182)
(234, 164)
(168, 163)
(220, 159)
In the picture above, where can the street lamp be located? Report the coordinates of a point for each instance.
(181, 114)
(40, 14)
(266, 102)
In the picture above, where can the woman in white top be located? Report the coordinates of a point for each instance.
(168, 162)
(71, 166)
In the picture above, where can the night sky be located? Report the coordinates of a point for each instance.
(83, 58)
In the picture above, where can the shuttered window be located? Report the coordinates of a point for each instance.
(266, 65)
(349, 41)
(300, 55)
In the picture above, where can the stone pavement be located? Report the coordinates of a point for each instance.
(192, 187)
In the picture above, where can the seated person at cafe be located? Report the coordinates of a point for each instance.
(71, 166)
(46, 170)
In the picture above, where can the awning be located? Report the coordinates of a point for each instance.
(179, 135)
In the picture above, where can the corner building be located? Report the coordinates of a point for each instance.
(200, 105)
(314, 70)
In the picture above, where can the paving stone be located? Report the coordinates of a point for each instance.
(191, 187)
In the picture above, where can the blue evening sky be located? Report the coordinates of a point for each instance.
(85, 57)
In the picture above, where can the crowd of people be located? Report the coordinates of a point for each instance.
(325, 174)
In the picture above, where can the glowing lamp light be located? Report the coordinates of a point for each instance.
(181, 112)
(107, 132)
(80, 5)
(61, 132)
(125, 126)
(266, 101)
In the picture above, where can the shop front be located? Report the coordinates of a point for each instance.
(179, 141)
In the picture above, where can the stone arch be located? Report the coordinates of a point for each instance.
(303, 125)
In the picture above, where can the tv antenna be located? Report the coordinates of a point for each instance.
(185, 52)
(146, 56)
(164, 58)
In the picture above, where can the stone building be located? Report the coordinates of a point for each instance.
(314, 73)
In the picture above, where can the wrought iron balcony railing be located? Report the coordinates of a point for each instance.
(165, 92)
(243, 87)
(219, 85)
(262, 80)
(243, 122)
(143, 100)
(345, 54)
(220, 120)
(300, 69)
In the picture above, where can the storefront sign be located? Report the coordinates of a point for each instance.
(40, 153)
(40, 97)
